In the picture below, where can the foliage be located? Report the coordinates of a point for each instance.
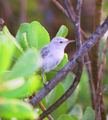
(20, 76)
(16, 78)
(19, 63)
(76, 114)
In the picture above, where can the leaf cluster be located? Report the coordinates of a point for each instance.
(19, 65)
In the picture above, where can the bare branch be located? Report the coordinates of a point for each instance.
(72, 18)
(43, 109)
(94, 55)
(99, 92)
(77, 24)
(88, 66)
(60, 7)
(71, 14)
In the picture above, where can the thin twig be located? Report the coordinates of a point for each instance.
(73, 15)
(43, 109)
(99, 92)
(41, 106)
(92, 40)
(68, 9)
(60, 7)
(88, 66)
(77, 24)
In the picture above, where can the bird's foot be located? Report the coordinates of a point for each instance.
(46, 86)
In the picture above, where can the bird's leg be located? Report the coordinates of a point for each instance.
(43, 77)
(45, 85)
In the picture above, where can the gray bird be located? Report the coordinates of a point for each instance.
(53, 53)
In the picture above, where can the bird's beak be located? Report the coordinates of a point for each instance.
(71, 41)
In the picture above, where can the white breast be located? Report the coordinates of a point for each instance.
(52, 60)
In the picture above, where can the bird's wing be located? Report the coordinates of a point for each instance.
(44, 51)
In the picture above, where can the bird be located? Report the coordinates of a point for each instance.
(52, 54)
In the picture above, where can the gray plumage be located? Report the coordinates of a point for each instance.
(53, 53)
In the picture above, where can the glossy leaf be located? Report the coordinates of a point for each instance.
(23, 41)
(25, 89)
(67, 82)
(18, 49)
(22, 29)
(6, 50)
(88, 114)
(15, 108)
(84, 89)
(37, 36)
(76, 110)
(74, 117)
(28, 63)
(65, 117)
(63, 31)
(52, 97)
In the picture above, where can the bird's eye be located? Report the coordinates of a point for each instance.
(61, 41)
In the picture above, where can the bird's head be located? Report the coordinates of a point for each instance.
(60, 42)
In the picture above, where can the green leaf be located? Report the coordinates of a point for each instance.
(23, 41)
(51, 74)
(105, 5)
(19, 88)
(6, 50)
(84, 89)
(65, 117)
(37, 36)
(74, 117)
(53, 96)
(28, 63)
(89, 114)
(15, 108)
(67, 82)
(18, 49)
(22, 29)
(76, 110)
(63, 31)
